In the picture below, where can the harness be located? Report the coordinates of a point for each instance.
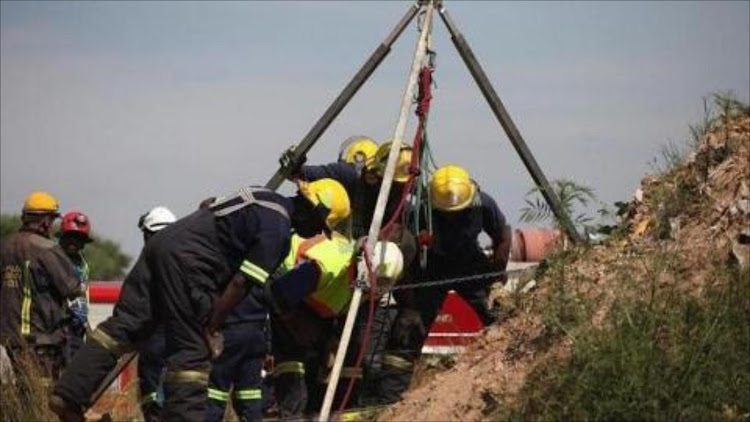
(244, 197)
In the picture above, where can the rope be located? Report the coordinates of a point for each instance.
(423, 107)
(368, 331)
(424, 99)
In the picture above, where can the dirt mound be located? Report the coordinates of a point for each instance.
(679, 224)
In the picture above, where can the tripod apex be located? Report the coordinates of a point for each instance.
(437, 3)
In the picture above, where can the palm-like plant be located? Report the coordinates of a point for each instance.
(570, 194)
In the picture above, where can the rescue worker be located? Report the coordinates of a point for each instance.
(460, 212)
(360, 169)
(358, 151)
(152, 351)
(75, 233)
(189, 276)
(314, 286)
(237, 371)
(37, 281)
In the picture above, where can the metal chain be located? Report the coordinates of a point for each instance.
(445, 281)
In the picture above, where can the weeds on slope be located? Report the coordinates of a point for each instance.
(665, 356)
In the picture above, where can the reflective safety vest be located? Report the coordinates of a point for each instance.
(334, 258)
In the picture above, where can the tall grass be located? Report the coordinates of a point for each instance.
(665, 356)
(26, 399)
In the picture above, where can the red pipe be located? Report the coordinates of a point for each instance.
(104, 291)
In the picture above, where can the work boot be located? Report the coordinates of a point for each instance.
(152, 412)
(291, 395)
(65, 410)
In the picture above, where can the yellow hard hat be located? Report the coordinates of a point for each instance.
(403, 163)
(359, 149)
(40, 202)
(330, 194)
(451, 188)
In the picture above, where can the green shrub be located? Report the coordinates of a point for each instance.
(664, 356)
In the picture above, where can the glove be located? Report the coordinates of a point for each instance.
(408, 328)
(206, 202)
(289, 165)
(214, 342)
(79, 312)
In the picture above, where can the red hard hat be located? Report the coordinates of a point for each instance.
(77, 222)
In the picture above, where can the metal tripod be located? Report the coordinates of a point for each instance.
(296, 157)
(485, 86)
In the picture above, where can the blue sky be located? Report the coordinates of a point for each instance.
(118, 106)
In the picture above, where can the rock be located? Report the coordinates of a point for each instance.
(744, 189)
(744, 206)
(7, 377)
(741, 252)
(638, 195)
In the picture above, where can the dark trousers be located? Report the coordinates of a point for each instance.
(238, 369)
(152, 354)
(372, 365)
(300, 348)
(74, 337)
(407, 337)
(171, 283)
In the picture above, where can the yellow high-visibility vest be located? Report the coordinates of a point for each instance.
(334, 257)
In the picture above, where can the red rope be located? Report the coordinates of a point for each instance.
(423, 108)
(368, 330)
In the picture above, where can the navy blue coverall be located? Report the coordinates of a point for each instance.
(455, 252)
(364, 197)
(239, 366)
(152, 361)
(179, 273)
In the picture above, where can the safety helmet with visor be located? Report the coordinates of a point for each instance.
(328, 202)
(403, 163)
(451, 188)
(358, 150)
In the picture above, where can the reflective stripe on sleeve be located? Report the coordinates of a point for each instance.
(26, 304)
(219, 395)
(254, 271)
(106, 341)
(249, 394)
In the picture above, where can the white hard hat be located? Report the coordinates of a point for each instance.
(156, 219)
(387, 261)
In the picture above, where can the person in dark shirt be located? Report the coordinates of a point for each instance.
(189, 276)
(152, 351)
(460, 213)
(37, 281)
(362, 180)
(75, 233)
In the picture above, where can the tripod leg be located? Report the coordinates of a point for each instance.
(510, 128)
(110, 378)
(343, 99)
